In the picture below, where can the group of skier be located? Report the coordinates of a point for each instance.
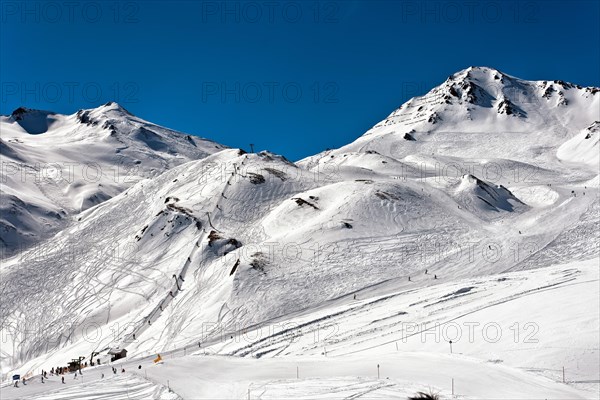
(44, 376)
(426, 273)
(62, 371)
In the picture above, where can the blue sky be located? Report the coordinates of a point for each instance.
(293, 77)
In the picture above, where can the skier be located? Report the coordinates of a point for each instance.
(409, 279)
(434, 276)
(425, 272)
(24, 383)
(75, 377)
(139, 367)
(123, 370)
(354, 296)
(42, 378)
(63, 379)
(102, 376)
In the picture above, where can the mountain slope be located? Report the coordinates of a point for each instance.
(481, 112)
(219, 247)
(54, 166)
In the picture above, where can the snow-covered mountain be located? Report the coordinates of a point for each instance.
(483, 192)
(484, 113)
(55, 166)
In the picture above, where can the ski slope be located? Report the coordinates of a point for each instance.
(333, 352)
(475, 204)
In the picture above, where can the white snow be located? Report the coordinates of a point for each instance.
(55, 166)
(242, 269)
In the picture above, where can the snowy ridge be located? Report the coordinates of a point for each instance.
(584, 147)
(54, 166)
(481, 112)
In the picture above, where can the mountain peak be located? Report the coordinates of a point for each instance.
(108, 111)
(113, 106)
(31, 120)
(484, 100)
(19, 113)
(477, 74)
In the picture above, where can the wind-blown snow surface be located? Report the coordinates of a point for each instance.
(55, 166)
(475, 204)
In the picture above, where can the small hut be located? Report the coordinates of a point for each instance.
(117, 353)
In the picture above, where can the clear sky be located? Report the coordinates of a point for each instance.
(293, 77)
